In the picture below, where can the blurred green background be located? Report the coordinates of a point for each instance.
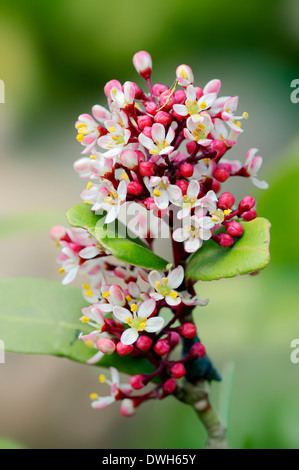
(55, 58)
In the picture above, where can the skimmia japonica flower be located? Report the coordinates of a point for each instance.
(164, 150)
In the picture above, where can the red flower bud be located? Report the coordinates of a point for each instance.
(223, 239)
(216, 186)
(124, 349)
(147, 168)
(180, 96)
(249, 215)
(162, 347)
(106, 346)
(169, 386)
(234, 229)
(246, 204)
(138, 91)
(187, 170)
(147, 131)
(136, 382)
(199, 92)
(144, 343)
(134, 188)
(163, 118)
(191, 146)
(198, 350)
(144, 121)
(226, 201)
(219, 147)
(178, 371)
(183, 185)
(188, 330)
(159, 88)
(151, 108)
(221, 174)
(164, 99)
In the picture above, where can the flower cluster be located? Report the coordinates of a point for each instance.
(161, 148)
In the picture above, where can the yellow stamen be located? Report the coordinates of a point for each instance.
(183, 73)
(87, 202)
(80, 137)
(154, 152)
(186, 198)
(124, 176)
(174, 294)
(89, 343)
(157, 285)
(92, 157)
(102, 378)
(134, 308)
(106, 294)
(157, 193)
(62, 270)
(85, 319)
(239, 124)
(227, 211)
(214, 219)
(169, 266)
(245, 115)
(93, 396)
(89, 185)
(86, 286)
(111, 129)
(203, 105)
(129, 320)
(128, 298)
(164, 281)
(206, 160)
(142, 325)
(89, 293)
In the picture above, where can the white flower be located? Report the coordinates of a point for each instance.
(222, 132)
(192, 106)
(164, 192)
(101, 402)
(193, 235)
(253, 164)
(94, 316)
(87, 126)
(106, 198)
(184, 75)
(207, 203)
(138, 320)
(165, 286)
(123, 98)
(115, 141)
(189, 200)
(203, 169)
(158, 144)
(199, 130)
(229, 107)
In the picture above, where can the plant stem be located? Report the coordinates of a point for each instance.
(197, 396)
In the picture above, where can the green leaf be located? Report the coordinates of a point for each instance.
(123, 244)
(248, 254)
(40, 316)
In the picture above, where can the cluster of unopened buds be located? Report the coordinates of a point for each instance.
(162, 149)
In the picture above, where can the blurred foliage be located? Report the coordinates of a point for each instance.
(8, 444)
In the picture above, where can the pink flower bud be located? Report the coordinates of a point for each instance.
(147, 131)
(134, 188)
(144, 343)
(234, 229)
(82, 165)
(163, 118)
(178, 371)
(216, 186)
(226, 201)
(169, 386)
(191, 146)
(57, 232)
(147, 168)
(129, 159)
(164, 98)
(223, 239)
(197, 350)
(117, 295)
(187, 170)
(184, 75)
(183, 185)
(127, 407)
(219, 147)
(199, 92)
(111, 84)
(124, 349)
(180, 96)
(188, 330)
(249, 215)
(136, 382)
(246, 204)
(106, 346)
(142, 62)
(162, 347)
(151, 108)
(174, 339)
(158, 88)
(221, 174)
(149, 203)
(144, 121)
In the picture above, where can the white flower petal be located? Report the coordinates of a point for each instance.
(146, 308)
(154, 277)
(102, 402)
(122, 313)
(129, 336)
(176, 277)
(154, 324)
